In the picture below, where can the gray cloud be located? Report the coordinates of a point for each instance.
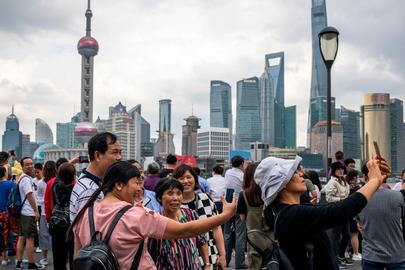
(172, 49)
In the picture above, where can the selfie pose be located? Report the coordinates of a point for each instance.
(300, 226)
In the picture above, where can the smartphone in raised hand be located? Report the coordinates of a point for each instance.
(229, 194)
(377, 149)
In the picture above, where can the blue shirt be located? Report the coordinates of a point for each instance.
(204, 187)
(149, 201)
(5, 189)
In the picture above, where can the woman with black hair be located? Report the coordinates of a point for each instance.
(337, 189)
(301, 226)
(177, 253)
(205, 207)
(250, 209)
(120, 184)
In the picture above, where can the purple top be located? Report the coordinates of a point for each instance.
(151, 181)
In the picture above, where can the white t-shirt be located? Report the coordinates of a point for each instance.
(26, 187)
(41, 195)
(217, 187)
(397, 186)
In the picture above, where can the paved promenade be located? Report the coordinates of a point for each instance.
(357, 265)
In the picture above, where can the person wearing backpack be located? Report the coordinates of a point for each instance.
(129, 226)
(29, 216)
(59, 221)
(300, 228)
(250, 209)
(5, 227)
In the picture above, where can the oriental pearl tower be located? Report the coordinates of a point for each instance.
(88, 48)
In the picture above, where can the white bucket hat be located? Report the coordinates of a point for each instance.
(273, 174)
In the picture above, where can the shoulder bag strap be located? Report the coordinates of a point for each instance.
(91, 222)
(55, 195)
(197, 198)
(137, 258)
(115, 221)
(246, 200)
(276, 218)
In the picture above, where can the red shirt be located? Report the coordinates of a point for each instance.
(48, 200)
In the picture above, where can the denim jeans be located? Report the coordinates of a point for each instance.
(368, 265)
(238, 227)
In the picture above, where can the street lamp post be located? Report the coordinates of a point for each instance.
(328, 44)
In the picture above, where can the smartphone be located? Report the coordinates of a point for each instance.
(83, 159)
(229, 194)
(377, 149)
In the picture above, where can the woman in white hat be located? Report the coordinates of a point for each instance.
(300, 226)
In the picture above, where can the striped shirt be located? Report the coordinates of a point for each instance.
(84, 188)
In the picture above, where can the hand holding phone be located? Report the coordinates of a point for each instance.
(83, 159)
(229, 194)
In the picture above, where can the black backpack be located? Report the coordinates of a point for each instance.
(97, 255)
(59, 222)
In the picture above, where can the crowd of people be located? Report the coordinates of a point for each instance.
(173, 218)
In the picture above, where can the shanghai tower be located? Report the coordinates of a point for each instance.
(318, 78)
(88, 48)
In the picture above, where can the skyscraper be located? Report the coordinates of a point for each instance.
(144, 148)
(88, 48)
(318, 108)
(164, 145)
(397, 135)
(318, 76)
(121, 124)
(213, 142)
(290, 126)
(165, 115)
(272, 100)
(43, 133)
(221, 105)
(350, 121)
(248, 124)
(376, 125)
(12, 137)
(189, 139)
(25, 145)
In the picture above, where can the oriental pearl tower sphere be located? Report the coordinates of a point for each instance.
(88, 48)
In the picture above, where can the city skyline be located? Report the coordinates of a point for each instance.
(166, 58)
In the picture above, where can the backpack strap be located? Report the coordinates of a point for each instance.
(18, 190)
(115, 221)
(91, 223)
(283, 210)
(55, 195)
(137, 258)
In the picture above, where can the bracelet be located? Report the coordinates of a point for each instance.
(207, 264)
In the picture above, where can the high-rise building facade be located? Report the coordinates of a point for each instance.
(248, 124)
(165, 115)
(144, 148)
(397, 135)
(221, 105)
(12, 137)
(43, 133)
(272, 100)
(213, 143)
(65, 135)
(319, 108)
(350, 121)
(318, 75)
(318, 139)
(376, 125)
(121, 124)
(189, 139)
(290, 126)
(164, 145)
(88, 48)
(25, 146)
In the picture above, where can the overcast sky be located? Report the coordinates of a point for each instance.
(155, 49)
